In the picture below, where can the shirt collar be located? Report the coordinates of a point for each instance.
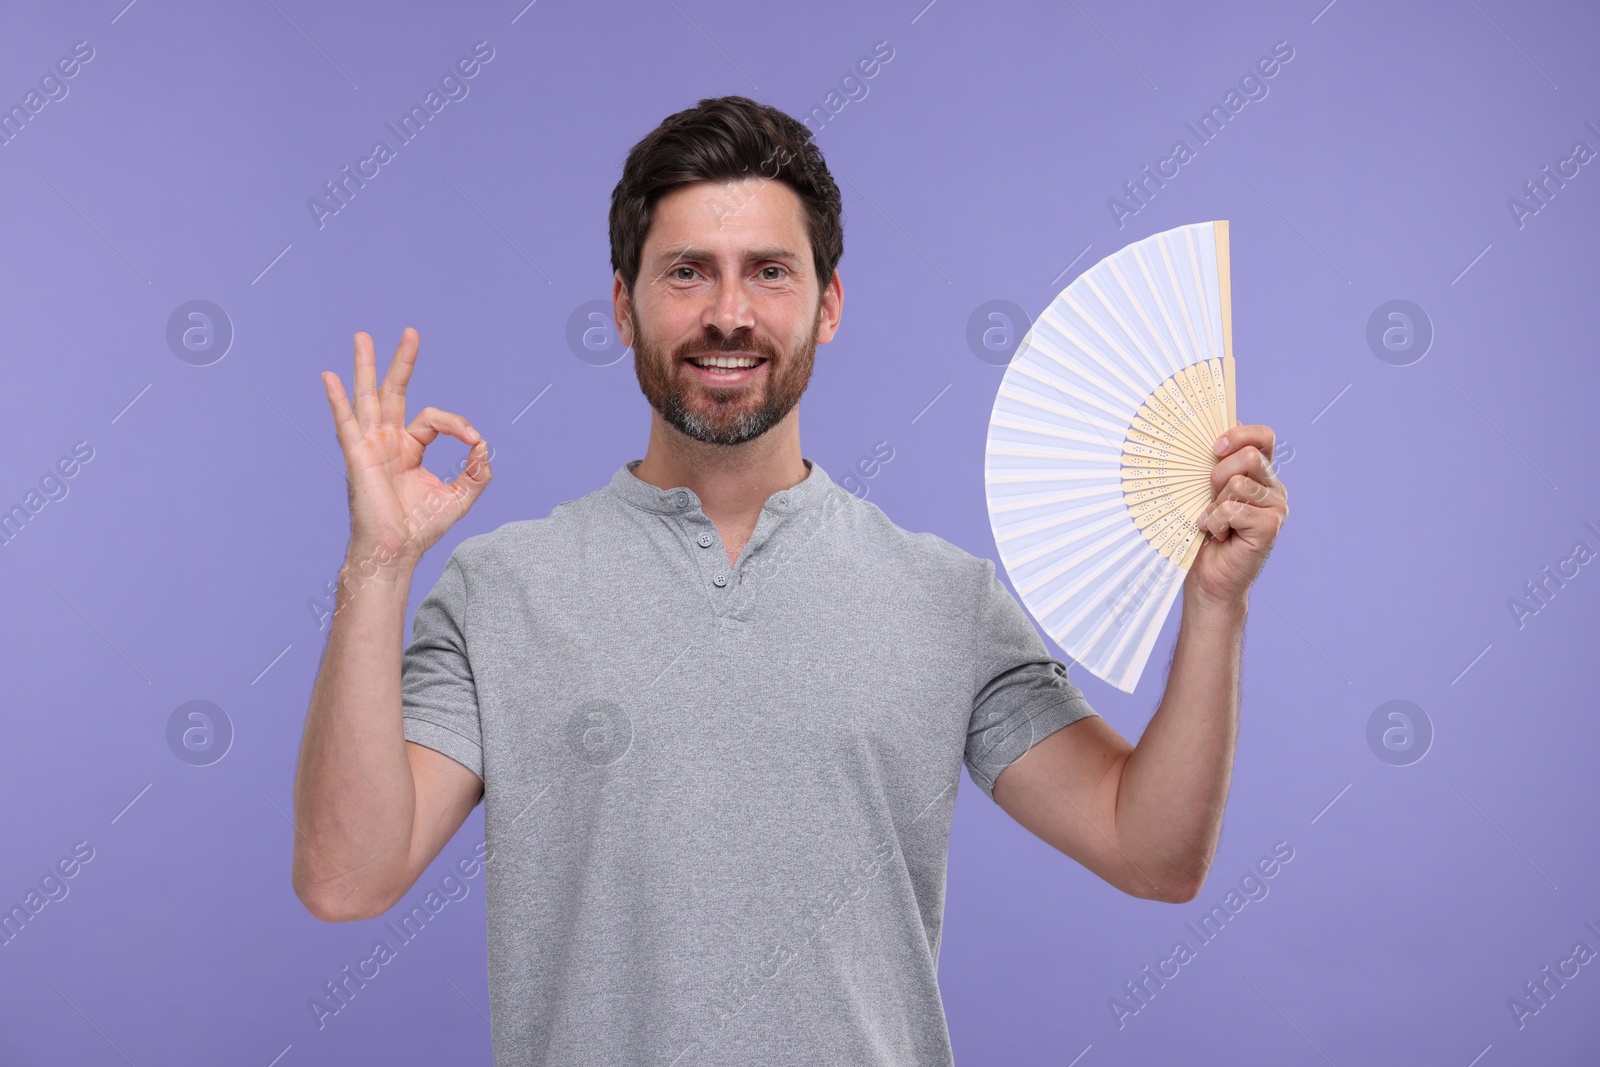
(641, 494)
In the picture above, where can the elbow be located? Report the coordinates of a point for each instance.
(326, 902)
(338, 909)
(1166, 892)
(1184, 886)
(1175, 887)
(1183, 892)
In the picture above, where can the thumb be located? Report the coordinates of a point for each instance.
(470, 483)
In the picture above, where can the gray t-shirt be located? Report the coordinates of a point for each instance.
(718, 798)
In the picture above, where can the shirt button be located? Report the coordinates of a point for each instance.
(682, 500)
(705, 540)
(783, 500)
(720, 580)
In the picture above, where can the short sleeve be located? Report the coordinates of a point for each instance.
(1022, 694)
(438, 696)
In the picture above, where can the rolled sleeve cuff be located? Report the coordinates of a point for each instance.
(1004, 744)
(441, 739)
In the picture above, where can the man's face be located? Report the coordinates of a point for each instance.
(726, 271)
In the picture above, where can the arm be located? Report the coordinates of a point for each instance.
(1147, 817)
(372, 810)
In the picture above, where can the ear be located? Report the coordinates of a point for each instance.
(829, 309)
(622, 310)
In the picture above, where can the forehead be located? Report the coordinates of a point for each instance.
(728, 217)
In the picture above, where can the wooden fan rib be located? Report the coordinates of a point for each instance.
(1157, 522)
(1152, 423)
(1162, 449)
(1219, 388)
(1174, 439)
(1139, 453)
(1138, 494)
(1173, 408)
(1179, 501)
(1157, 415)
(1211, 385)
(1197, 376)
(1137, 481)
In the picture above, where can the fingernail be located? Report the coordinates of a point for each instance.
(1221, 445)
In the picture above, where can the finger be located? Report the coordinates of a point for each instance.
(1214, 520)
(1247, 490)
(467, 486)
(470, 482)
(1248, 460)
(367, 410)
(1245, 434)
(392, 397)
(431, 422)
(344, 420)
(1255, 524)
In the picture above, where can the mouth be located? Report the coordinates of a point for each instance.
(725, 369)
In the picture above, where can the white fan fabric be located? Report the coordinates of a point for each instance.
(1099, 448)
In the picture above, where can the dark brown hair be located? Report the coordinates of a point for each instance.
(723, 139)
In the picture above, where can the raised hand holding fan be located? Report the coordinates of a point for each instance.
(1099, 452)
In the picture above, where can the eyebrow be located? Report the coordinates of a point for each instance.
(701, 255)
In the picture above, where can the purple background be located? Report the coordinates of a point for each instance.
(188, 556)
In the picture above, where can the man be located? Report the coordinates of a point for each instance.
(717, 709)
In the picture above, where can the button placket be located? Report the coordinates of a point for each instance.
(719, 576)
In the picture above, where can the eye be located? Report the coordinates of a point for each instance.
(779, 269)
(675, 271)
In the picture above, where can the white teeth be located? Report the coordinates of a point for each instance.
(725, 361)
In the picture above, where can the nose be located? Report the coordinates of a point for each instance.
(729, 309)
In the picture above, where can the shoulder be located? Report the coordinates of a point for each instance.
(514, 543)
(938, 561)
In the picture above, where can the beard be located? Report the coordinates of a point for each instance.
(726, 415)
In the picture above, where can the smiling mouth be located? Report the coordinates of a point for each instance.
(718, 368)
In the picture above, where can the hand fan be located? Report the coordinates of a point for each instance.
(1099, 455)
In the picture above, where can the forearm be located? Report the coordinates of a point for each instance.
(1174, 784)
(354, 791)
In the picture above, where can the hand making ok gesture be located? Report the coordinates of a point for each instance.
(398, 508)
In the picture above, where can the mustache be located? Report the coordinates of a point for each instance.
(725, 344)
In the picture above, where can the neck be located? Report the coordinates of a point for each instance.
(733, 482)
